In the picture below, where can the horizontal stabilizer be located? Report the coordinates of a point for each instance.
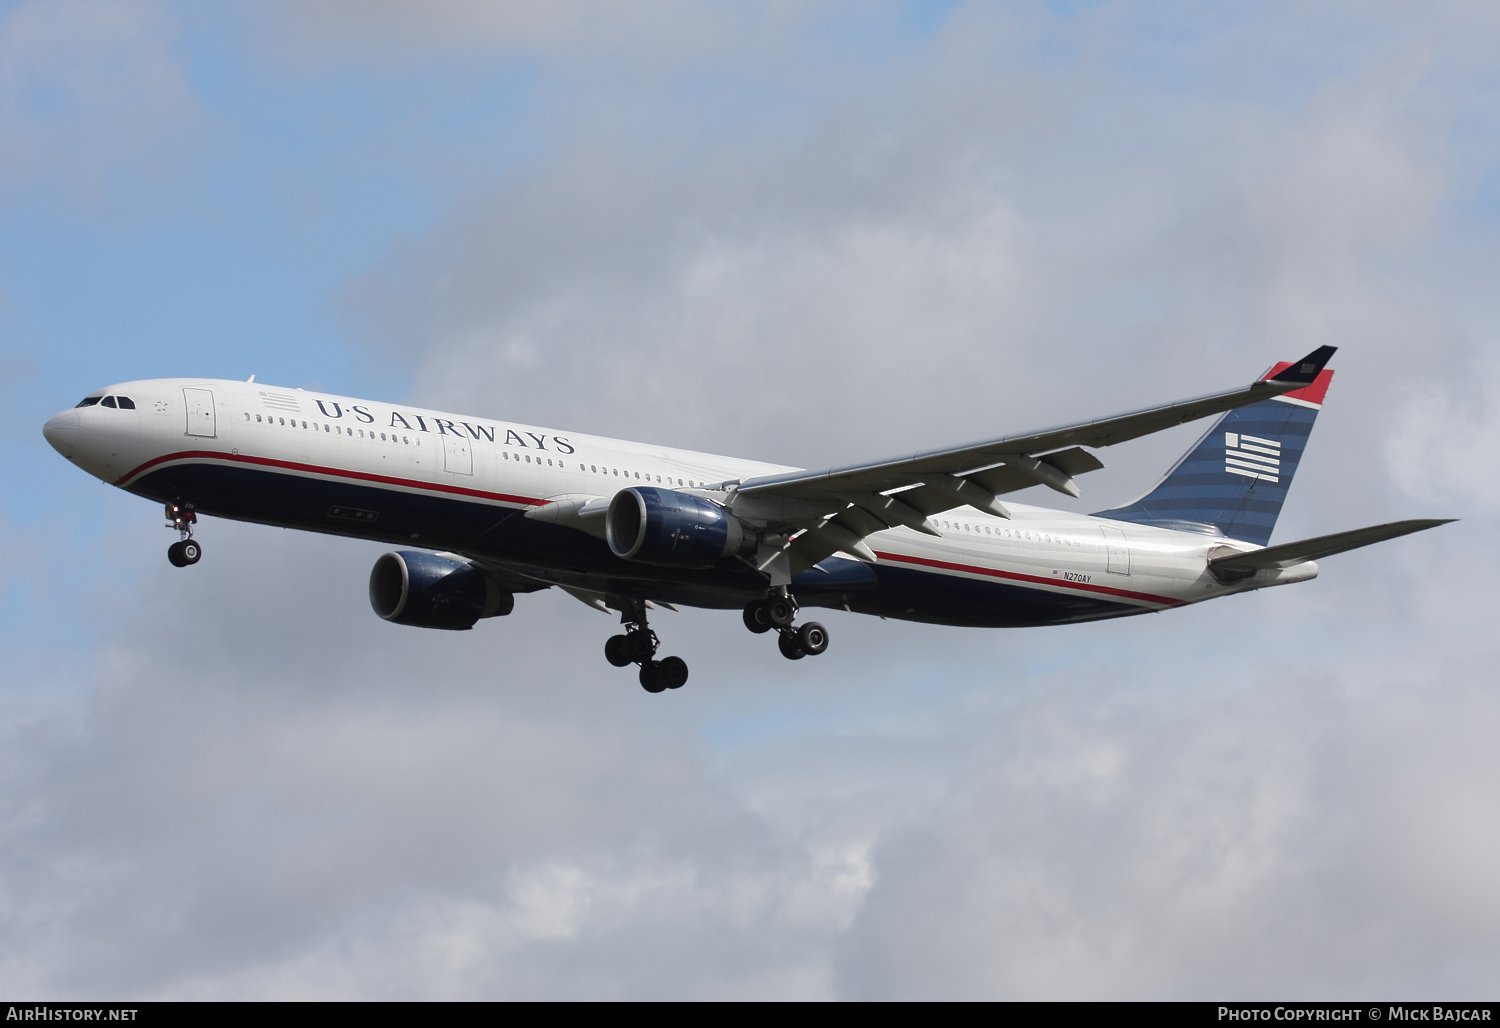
(1287, 554)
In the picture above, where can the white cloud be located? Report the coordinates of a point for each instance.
(319, 34)
(89, 91)
(1445, 438)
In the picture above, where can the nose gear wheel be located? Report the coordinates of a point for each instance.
(184, 553)
(187, 550)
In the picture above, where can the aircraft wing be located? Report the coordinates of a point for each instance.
(1287, 554)
(505, 577)
(835, 508)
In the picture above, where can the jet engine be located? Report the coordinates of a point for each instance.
(663, 526)
(428, 591)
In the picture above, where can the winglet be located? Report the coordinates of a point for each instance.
(1301, 373)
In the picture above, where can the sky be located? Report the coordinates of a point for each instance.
(807, 233)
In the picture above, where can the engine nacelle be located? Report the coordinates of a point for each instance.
(427, 591)
(663, 526)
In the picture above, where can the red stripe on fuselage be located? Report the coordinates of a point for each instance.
(1014, 576)
(459, 490)
(363, 476)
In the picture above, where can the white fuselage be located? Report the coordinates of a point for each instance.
(456, 482)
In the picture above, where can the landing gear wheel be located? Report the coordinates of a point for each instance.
(791, 649)
(755, 618)
(672, 672)
(638, 646)
(185, 551)
(614, 651)
(812, 638)
(652, 677)
(781, 611)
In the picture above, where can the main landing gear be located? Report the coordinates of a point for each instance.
(187, 549)
(778, 611)
(638, 646)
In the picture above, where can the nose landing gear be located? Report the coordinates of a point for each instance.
(778, 611)
(186, 550)
(638, 646)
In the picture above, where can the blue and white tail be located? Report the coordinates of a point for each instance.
(1237, 476)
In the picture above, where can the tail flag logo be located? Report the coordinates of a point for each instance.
(1252, 456)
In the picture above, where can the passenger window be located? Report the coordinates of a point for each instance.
(247, 415)
(257, 417)
(382, 437)
(108, 401)
(528, 458)
(594, 469)
(325, 428)
(88, 401)
(126, 403)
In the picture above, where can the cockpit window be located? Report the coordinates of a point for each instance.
(126, 403)
(108, 401)
(88, 401)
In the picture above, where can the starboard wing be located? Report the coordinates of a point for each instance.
(833, 509)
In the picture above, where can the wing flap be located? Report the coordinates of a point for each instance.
(860, 521)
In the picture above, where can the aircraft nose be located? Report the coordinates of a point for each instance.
(61, 431)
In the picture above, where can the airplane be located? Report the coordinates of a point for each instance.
(491, 509)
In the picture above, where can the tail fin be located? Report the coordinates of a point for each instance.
(1235, 479)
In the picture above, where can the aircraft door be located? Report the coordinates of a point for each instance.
(458, 455)
(200, 412)
(1118, 551)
